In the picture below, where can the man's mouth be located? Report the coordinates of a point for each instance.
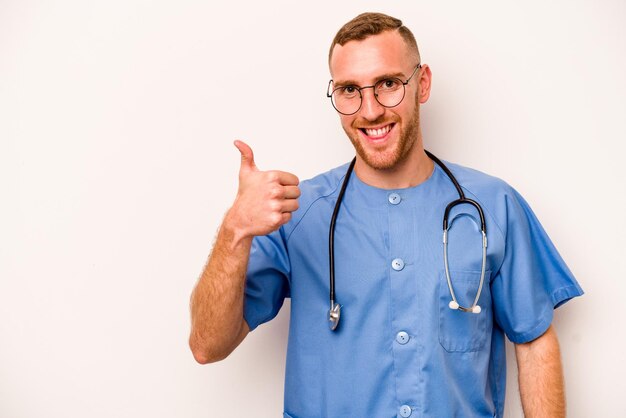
(377, 133)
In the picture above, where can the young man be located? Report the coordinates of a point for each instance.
(422, 322)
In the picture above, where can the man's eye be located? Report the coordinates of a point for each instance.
(389, 84)
(349, 91)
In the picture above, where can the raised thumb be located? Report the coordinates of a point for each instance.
(247, 156)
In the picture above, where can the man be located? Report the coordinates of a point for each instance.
(402, 347)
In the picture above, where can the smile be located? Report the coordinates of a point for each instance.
(377, 133)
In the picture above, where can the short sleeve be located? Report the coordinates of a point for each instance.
(533, 279)
(267, 280)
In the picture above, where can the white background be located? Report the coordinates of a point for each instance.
(116, 165)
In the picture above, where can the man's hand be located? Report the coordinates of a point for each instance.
(265, 199)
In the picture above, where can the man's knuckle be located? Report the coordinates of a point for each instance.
(276, 191)
(274, 206)
(276, 220)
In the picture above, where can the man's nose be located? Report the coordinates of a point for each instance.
(370, 108)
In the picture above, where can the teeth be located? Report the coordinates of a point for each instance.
(378, 132)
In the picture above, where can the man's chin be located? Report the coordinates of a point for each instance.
(383, 158)
(379, 161)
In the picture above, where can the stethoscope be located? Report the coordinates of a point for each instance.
(334, 313)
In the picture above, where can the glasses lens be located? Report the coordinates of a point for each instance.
(347, 100)
(389, 92)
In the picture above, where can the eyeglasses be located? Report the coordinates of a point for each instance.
(389, 92)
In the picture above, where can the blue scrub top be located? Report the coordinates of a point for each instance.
(399, 350)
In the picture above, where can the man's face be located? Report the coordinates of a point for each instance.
(382, 136)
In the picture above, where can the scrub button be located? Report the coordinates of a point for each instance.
(397, 264)
(402, 337)
(394, 198)
(405, 411)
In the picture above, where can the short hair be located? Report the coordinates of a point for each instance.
(370, 24)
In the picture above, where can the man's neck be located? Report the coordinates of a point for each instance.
(413, 170)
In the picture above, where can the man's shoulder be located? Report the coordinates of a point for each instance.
(499, 199)
(319, 188)
(479, 183)
(322, 185)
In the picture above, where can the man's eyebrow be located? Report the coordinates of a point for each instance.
(376, 80)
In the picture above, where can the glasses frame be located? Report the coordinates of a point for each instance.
(330, 93)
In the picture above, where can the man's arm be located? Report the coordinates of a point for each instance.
(541, 377)
(264, 202)
(217, 323)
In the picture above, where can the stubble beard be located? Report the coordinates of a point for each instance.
(387, 159)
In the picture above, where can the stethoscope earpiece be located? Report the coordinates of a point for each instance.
(454, 305)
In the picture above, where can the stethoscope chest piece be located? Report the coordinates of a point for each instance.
(334, 314)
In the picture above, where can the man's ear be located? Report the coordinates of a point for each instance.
(424, 83)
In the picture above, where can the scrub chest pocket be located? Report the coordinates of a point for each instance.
(464, 331)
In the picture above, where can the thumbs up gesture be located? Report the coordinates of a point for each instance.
(265, 199)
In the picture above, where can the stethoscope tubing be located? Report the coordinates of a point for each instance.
(334, 313)
(331, 235)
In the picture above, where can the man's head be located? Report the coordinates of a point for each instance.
(372, 50)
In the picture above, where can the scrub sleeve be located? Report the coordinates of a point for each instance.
(267, 283)
(532, 279)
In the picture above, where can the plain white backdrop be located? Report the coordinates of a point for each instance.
(116, 166)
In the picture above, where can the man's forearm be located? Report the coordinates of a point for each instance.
(541, 377)
(217, 324)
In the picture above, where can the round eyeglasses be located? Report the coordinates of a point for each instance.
(389, 92)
